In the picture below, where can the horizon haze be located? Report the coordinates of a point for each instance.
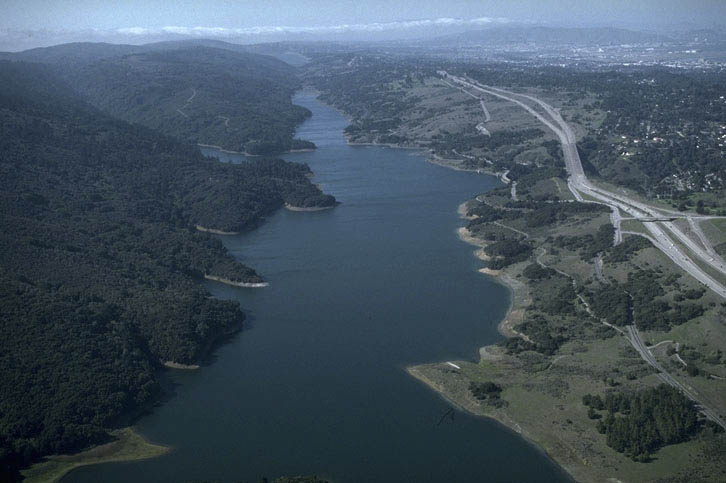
(41, 23)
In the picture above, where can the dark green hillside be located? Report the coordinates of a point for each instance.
(99, 260)
(72, 53)
(235, 100)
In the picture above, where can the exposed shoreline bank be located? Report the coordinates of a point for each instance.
(432, 158)
(514, 315)
(455, 165)
(128, 445)
(517, 289)
(309, 208)
(453, 387)
(384, 145)
(177, 365)
(236, 284)
(215, 231)
(245, 153)
(456, 393)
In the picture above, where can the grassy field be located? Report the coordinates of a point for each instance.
(715, 274)
(634, 226)
(715, 231)
(562, 190)
(544, 393)
(572, 105)
(707, 333)
(436, 109)
(656, 202)
(587, 197)
(127, 446)
(545, 405)
(714, 200)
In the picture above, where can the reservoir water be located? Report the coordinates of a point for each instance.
(315, 383)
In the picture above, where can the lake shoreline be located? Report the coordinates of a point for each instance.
(451, 390)
(128, 445)
(454, 164)
(245, 153)
(290, 207)
(450, 384)
(384, 145)
(437, 404)
(458, 396)
(227, 281)
(215, 231)
(179, 366)
(514, 314)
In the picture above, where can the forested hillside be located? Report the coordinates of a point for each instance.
(99, 257)
(235, 100)
(199, 92)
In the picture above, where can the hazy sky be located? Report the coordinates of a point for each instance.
(25, 24)
(113, 14)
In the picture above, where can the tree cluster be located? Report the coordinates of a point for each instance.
(640, 423)
(487, 392)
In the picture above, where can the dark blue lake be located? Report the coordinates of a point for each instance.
(315, 383)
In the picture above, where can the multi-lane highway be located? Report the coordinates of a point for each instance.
(579, 184)
(637, 342)
(660, 232)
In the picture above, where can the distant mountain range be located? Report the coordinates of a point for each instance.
(465, 30)
(85, 52)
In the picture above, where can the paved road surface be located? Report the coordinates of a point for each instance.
(637, 342)
(580, 185)
(487, 116)
(659, 235)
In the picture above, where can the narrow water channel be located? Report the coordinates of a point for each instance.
(315, 383)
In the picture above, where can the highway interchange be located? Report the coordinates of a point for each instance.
(660, 232)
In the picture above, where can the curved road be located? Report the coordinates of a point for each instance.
(659, 235)
(579, 185)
